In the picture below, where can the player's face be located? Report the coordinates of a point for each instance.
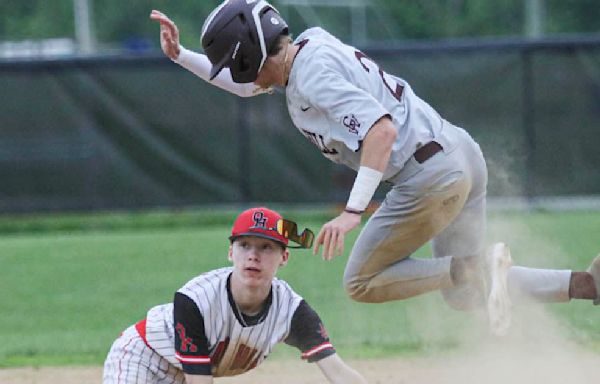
(256, 259)
(271, 72)
(266, 76)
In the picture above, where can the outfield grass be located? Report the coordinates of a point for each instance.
(67, 291)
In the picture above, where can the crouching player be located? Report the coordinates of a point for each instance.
(226, 322)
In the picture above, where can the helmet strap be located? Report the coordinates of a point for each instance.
(285, 59)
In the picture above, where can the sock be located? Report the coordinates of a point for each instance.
(582, 286)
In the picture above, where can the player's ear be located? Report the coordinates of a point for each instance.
(230, 253)
(284, 257)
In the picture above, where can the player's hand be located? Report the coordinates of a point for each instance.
(169, 34)
(332, 235)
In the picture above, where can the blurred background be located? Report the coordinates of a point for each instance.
(95, 118)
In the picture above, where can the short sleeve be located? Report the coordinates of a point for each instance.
(308, 334)
(352, 109)
(191, 345)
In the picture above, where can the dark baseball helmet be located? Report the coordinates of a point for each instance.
(239, 35)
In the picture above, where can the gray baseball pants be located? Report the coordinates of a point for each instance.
(442, 200)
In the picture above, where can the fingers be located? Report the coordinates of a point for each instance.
(164, 21)
(158, 16)
(340, 244)
(332, 240)
(318, 241)
(327, 251)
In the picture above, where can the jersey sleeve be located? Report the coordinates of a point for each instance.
(191, 344)
(352, 110)
(308, 334)
(200, 66)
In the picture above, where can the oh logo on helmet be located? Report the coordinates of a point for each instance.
(260, 221)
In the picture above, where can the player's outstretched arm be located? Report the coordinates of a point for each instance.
(169, 35)
(338, 372)
(197, 63)
(198, 379)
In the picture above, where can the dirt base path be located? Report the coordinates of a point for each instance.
(489, 368)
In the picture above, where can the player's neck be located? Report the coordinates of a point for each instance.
(250, 300)
(291, 51)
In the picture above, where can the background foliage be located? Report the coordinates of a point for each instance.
(118, 22)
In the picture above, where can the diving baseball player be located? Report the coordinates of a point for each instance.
(358, 115)
(226, 322)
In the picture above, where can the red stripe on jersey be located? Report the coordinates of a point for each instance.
(140, 327)
(192, 359)
(317, 349)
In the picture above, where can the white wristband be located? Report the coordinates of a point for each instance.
(366, 182)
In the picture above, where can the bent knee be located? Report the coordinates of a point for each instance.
(358, 290)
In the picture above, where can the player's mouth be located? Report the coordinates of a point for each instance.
(252, 271)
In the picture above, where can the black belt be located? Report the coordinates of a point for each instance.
(425, 152)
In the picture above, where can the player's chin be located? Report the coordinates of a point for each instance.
(256, 278)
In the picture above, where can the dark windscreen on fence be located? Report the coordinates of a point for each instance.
(136, 132)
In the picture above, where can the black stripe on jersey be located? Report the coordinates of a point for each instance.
(307, 332)
(189, 324)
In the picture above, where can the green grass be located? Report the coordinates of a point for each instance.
(67, 291)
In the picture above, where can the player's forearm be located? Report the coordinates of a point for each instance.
(338, 372)
(199, 65)
(377, 145)
(198, 379)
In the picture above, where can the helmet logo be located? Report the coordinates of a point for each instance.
(260, 221)
(235, 51)
(250, 1)
(274, 21)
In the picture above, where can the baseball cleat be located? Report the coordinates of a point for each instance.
(594, 270)
(498, 261)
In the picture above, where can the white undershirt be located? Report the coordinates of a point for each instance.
(199, 65)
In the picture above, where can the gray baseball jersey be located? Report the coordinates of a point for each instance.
(335, 94)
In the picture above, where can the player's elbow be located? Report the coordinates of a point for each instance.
(385, 130)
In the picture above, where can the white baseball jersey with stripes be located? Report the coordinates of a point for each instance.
(230, 346)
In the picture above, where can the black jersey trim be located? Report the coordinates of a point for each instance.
(242, 318)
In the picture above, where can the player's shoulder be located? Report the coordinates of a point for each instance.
(207, 284)
(317, 34)
(320, 51)
(284, 291)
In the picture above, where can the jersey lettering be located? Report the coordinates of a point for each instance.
(219, 352)
(318, 141)
(245, 357)
(397, 93)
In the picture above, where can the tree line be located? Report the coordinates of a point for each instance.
(116, 21)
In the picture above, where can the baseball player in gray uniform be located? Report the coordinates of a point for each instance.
(358, 115)
(226, 322)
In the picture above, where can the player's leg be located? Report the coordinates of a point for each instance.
(594, 271)
(464, 238)
(425, 200)
(131, 361)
